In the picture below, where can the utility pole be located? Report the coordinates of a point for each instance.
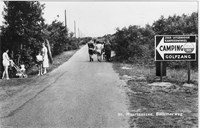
(78, 33)
(75, 28)
(65, 20)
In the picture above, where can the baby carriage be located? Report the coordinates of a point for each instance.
(20, 71)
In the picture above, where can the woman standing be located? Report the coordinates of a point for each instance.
(91, 49)
(6, 63)
(99, 48)
(45, 58)
(108, 50)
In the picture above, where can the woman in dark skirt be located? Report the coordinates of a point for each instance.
(91, 49)
(107, 47)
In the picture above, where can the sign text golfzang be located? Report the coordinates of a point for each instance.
(175, 47)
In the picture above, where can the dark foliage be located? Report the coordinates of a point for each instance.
(135, 44)
(24, 31)
(59, 39)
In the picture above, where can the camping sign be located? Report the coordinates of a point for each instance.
(175, 48)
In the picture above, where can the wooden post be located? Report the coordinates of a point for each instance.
(1, 66)
(188, 71)
(161, 71)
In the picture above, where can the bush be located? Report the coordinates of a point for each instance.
(135, 44)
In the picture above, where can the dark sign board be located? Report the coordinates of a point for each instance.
(175, 48)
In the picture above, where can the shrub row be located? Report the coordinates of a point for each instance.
(135, 44)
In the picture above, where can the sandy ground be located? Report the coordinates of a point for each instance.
(154, 104)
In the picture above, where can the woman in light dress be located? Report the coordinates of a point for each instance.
(45, 58)
(6, 63)
(99, 48)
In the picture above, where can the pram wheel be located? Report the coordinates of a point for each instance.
(25, 76)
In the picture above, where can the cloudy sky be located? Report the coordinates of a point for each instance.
(100, 18)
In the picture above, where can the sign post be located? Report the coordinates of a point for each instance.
(161, 71)
(188, 72)
(158, 68)
(175, 48)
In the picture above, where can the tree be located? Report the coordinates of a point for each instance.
(58, 37)
(136, 44)
(191, 24)
(22, 32)
(159, 26)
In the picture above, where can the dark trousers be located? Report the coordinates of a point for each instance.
(108, 54)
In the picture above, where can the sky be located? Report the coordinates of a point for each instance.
(99, 18)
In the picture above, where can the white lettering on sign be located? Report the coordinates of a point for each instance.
(168, 41)
(178, 56)
(181, 37)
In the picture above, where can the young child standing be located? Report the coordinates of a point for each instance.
(39, 59)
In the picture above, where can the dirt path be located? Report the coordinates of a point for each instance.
(78, 94)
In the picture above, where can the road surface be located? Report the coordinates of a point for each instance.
(81, 94)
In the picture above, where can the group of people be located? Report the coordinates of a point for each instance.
(41, 59)
(101, 49)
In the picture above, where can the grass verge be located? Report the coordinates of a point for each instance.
(9, 88)
(148, 97)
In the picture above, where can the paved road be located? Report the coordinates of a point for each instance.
(82, 95)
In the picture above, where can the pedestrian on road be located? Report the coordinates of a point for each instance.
(6, 63)
(45, 63)
(99, 48)
(108, 50)
(39, 60)
(91, 49)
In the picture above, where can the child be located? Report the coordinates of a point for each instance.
(39, 59)
(22, 72)
(22, 68)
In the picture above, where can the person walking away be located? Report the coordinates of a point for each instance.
(45, 63)
(6, 63)
(103, 51)
(99, 48)
(107, 50)
(91, 50)
(39, 60)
